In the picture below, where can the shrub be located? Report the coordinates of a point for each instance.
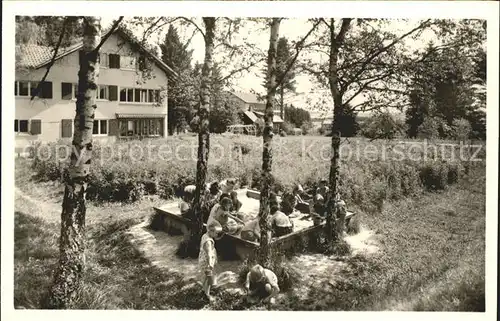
(429, 129)
(460, 129)
(434, 176)
(121, 178)
(382, 126)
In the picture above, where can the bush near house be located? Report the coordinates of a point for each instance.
(126, 172)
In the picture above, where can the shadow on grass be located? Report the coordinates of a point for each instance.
(117, 276)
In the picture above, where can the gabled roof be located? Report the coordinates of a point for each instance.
(248, 97)
(36, 56)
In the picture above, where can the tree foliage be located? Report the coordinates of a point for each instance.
(445, 83)
(296, 116)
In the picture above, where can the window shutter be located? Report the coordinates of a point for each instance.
(80, 57)
(67, 128)
(114, 61)
(36, 127)
(16, 125)
(113, 93)
(46, 91)
(66, 90)
(113, 129)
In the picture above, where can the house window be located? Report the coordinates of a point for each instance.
(128, 62)
(103, 92)
(100, 127)
(27, 89)
(103, 60)
(147, 96)
(114, 61)
(70, 91)
(21, 126)
(152, 127)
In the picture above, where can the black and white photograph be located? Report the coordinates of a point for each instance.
(183, 156)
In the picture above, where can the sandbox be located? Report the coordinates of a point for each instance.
(168, 218)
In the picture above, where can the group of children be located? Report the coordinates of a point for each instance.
(261, 284)
(221, 203)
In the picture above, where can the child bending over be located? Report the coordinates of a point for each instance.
(261, 285)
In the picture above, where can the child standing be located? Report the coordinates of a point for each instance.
(208, 257)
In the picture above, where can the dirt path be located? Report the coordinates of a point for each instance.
(44, 206)
(315, 269)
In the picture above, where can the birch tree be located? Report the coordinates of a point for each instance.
(267, 138)
(72, 240)
(203, 133)
(71, 266)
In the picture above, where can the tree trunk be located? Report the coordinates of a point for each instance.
(72, 240)
(267, 153)
(282, 106)
(330, 227)
(203, 136)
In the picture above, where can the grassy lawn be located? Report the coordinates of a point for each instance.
(431, 255)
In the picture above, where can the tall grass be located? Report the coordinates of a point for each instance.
(126, 172)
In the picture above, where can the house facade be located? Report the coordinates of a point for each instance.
(128, 104)
(253, 108)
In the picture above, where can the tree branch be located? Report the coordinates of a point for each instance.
(298, 48)
(346, 23)
(383, 49)
(110, 32)
(52, 61)
(365, 85)
(235, 71)
(194, 25)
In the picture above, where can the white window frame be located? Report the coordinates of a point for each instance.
(99, 127)
(132, 67)
(17, 87)
(74, 90)
(133, 102)
(19, 132)
(106, 66)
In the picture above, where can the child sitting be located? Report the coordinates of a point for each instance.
(229, 185)
(251, 231)
(187, 199)
(280, 222)
(221, 213)
(207, 258)
(261, 284)
(236, 202)
(319, 209)
(323, 189)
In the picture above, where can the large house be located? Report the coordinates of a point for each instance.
(128, 105)
(253, 108)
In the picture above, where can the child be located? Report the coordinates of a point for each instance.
(221, 213)
(251, 231)
(261, 284)
(212, 197)
(187, 199)
(229, 185)
(208, 257)
(323, 189)
(236, 202)
(319, 209)
(281, 224)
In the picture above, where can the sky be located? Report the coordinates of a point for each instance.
(308, 94)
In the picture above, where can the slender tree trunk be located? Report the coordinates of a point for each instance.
(203, 135)
(330, 232)
(282, 110)
(72, 240)
(267, 152)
